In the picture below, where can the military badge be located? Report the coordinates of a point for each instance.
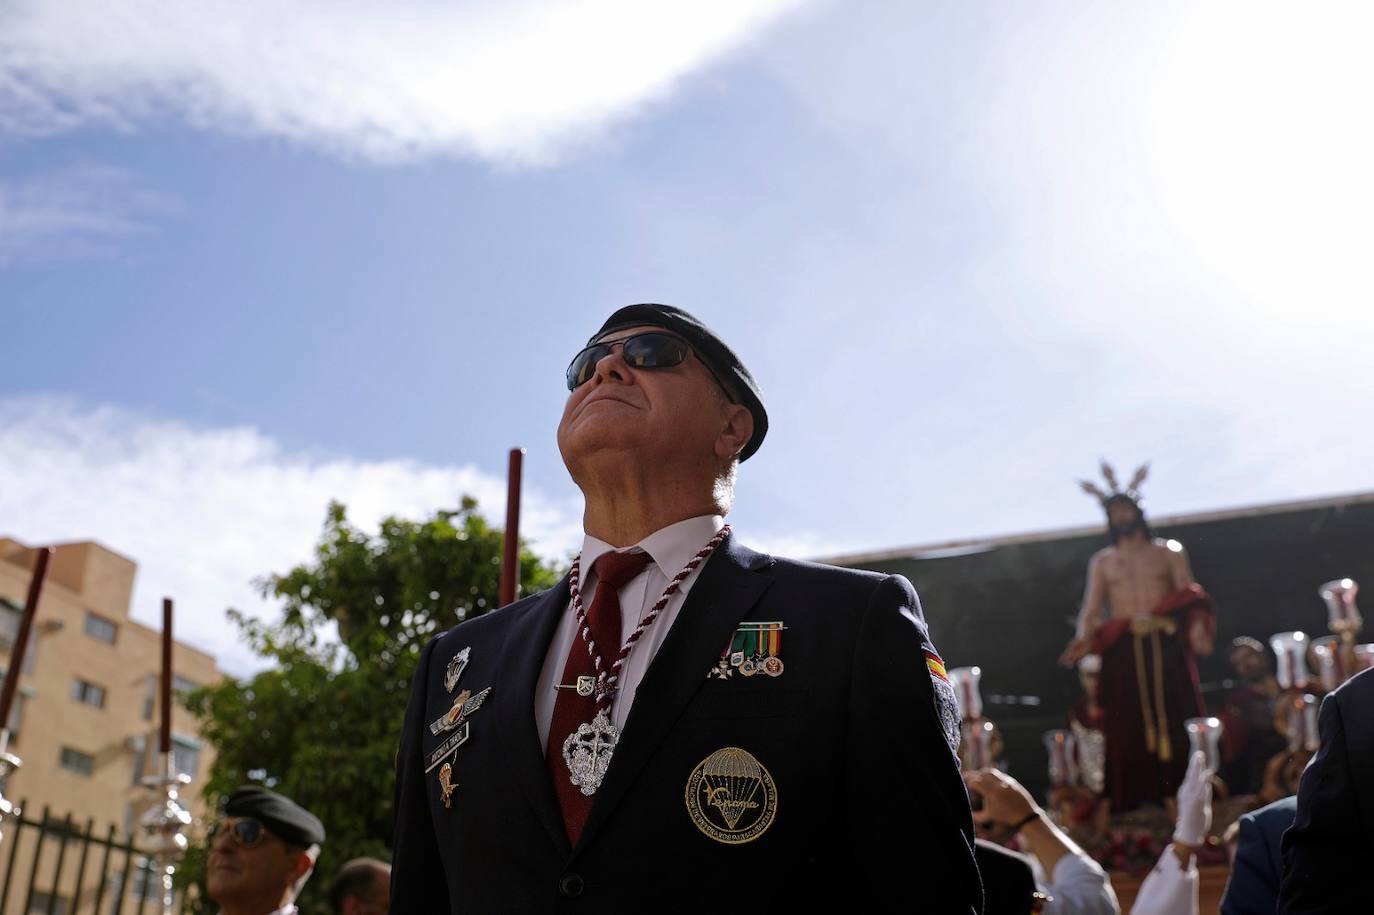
(447, 748)
(446, 784)
(731, 797)
(456, 665)
(946, 703)
(464, 704)
(754, 648)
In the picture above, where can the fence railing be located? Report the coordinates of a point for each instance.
(61, 867)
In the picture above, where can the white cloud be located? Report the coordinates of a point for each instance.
(205, 511)
(512, 80)
(79, 210)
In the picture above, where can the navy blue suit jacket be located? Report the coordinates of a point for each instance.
(1329, 850)
(870, 804)
(1253, 888)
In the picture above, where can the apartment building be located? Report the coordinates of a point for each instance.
(86, 717)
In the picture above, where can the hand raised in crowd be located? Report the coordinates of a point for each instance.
(1194, 803)
(1005, 802)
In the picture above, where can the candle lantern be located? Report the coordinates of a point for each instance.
(1364, 656)
(1059, 746)
(1290, 649)
(1090, 757)
(1204, 735)
(164, 828)
(977, 749)
(965, 683)
(1302, 723)
(1340, 604)
(1330, 669)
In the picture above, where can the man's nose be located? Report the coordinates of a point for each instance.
(613, 366)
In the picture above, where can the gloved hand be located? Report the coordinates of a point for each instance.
(1194, 803)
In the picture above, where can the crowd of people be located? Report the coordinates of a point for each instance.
(684, 723)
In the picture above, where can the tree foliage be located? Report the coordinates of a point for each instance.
(322, 722)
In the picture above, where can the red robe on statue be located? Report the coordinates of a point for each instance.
(1148, 688)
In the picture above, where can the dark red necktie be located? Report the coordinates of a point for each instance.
(613, 572)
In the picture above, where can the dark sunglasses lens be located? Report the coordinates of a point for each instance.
(584, 365)
(654, 351)
(247, 833)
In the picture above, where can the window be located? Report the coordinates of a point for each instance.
(150, 698)
(88, 693)
(185, 755)
(97, 627)
(16, 710)
(10, 613)
(76, 761)
(182, 685)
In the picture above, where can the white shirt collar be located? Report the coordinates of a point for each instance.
(670, 547)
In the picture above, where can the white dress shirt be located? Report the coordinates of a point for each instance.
(671, 548)
(1080, 886)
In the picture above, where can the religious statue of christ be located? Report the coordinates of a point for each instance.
(1148, 620)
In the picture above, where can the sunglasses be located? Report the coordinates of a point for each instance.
(649, 350)
(246, 832)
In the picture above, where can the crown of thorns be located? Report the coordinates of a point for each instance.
(1132, 490)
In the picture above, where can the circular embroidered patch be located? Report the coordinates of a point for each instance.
(731, 797)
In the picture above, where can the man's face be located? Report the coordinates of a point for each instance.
(1247, 663)
(1123, 518)
(654, 414)
(264, 871)
(373, 902)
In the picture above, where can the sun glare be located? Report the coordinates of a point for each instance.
(1262, 150)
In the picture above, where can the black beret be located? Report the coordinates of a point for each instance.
(728, 369)
(285, 818)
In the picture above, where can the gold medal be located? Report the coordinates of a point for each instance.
(731, 797)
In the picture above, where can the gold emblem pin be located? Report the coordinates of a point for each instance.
(446, 784)
(731, 796)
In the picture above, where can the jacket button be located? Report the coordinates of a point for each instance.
(570, 885)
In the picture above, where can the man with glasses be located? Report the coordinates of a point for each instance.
(682, 723)
(261, 853)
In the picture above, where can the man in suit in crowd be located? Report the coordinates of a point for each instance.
(682, 721)
(1328, 850)
(1257, 869)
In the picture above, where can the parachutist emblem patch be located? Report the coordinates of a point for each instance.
(731, 797)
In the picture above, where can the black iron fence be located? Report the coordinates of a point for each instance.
(64, 867)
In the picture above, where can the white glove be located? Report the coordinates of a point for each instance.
(1194, 803)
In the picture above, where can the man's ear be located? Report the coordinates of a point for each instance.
(736, 433)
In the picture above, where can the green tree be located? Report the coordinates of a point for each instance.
(322, 723)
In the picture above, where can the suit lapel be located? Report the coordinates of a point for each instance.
(527, 642)
(729, 585)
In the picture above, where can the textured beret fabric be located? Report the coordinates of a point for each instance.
(284, 817)
(713, 351)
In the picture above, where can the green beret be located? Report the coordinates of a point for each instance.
(728, 369)
(285, 818)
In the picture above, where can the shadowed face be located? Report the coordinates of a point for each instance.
(265, 871)
(1248, 663)
(647, 415)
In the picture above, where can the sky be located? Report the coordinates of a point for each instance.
(255, 257)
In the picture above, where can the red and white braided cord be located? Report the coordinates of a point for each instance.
(606, 684)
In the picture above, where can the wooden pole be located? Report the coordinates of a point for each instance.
(21, 639)
(510, 558)
(165, 735)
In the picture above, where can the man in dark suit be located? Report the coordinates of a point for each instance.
(682, 722)
(1257, 871)
(1329, 848)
